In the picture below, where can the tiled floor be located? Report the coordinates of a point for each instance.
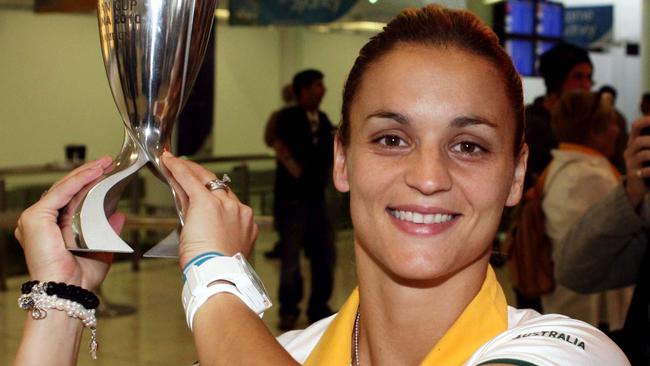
(156, 333)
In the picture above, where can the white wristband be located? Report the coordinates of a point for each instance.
(205, 278)
(197, 301)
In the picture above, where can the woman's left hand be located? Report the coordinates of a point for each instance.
(214, 220)
(41, 238)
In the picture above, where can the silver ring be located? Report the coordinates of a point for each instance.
(217, 183)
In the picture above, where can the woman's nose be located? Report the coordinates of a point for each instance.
(427, 171)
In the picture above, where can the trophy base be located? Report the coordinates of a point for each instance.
(166, 248)
(96, 250)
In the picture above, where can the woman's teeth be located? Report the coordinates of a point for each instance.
(419, 218)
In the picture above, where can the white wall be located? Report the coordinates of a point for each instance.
(334, 54)
(53, 89)
(248, 88)
(624, 73)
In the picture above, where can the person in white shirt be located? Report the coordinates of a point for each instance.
(579, 176)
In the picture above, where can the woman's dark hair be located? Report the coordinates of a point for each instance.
(436, 26)
(303, 80)
(556, 64)
(580, 114)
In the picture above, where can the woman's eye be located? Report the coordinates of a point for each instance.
(391, 141)
(466, 147)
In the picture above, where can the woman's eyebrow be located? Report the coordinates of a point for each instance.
(458, 122)
(464, 121)
(399, 118)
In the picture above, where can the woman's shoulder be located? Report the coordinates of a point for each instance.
(574, 170)
(577, 159)
(531, 338)
(550, 339)
(299, 343)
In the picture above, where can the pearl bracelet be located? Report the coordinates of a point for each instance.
(39, 302)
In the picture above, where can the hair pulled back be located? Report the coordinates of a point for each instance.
(436, 26)
(580, 114)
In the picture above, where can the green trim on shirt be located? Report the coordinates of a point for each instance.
(509, 361)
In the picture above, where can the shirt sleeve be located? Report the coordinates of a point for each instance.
(604, 247)
(550, 340)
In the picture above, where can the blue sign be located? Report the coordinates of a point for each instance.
(287, 12)
(588, 26)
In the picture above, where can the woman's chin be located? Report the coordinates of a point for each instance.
(418, 268)
(427, 270)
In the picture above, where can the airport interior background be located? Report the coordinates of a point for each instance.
(54, 93)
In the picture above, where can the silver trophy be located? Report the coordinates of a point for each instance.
(152, 50)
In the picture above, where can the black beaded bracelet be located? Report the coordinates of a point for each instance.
(74, 293)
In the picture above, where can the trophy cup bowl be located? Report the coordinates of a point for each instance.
(152, 52)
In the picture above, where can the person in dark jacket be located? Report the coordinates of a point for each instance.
(565, 68)
(306, 136)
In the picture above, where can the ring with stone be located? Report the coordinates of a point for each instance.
(639, 173)
(217, 183)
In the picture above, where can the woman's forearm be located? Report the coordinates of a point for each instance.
(226, 332)
(51, 341)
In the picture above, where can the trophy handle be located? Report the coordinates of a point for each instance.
(89, 229)
(166, 248)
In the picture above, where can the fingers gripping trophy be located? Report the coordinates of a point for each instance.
(152, 51)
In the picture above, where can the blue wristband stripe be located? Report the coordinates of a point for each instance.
(198, 260)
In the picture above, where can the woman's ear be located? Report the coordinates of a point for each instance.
(517, 186)
(340, 173)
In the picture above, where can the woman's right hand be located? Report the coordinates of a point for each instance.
(636, 153)
(42, 241)
(214, 220)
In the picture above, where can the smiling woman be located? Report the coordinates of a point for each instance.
(431, 150)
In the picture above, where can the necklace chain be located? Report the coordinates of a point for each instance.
(355, 340)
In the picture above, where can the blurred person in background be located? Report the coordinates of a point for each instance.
(607, 247)
(608, 93)
(564, 68)
(645, 104)
(305, 135)
(283, 157)
(580, 175)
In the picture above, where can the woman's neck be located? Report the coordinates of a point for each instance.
(401, 322)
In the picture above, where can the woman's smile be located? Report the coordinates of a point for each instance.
(417, 220)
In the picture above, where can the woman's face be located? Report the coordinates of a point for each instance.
(430, 163)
